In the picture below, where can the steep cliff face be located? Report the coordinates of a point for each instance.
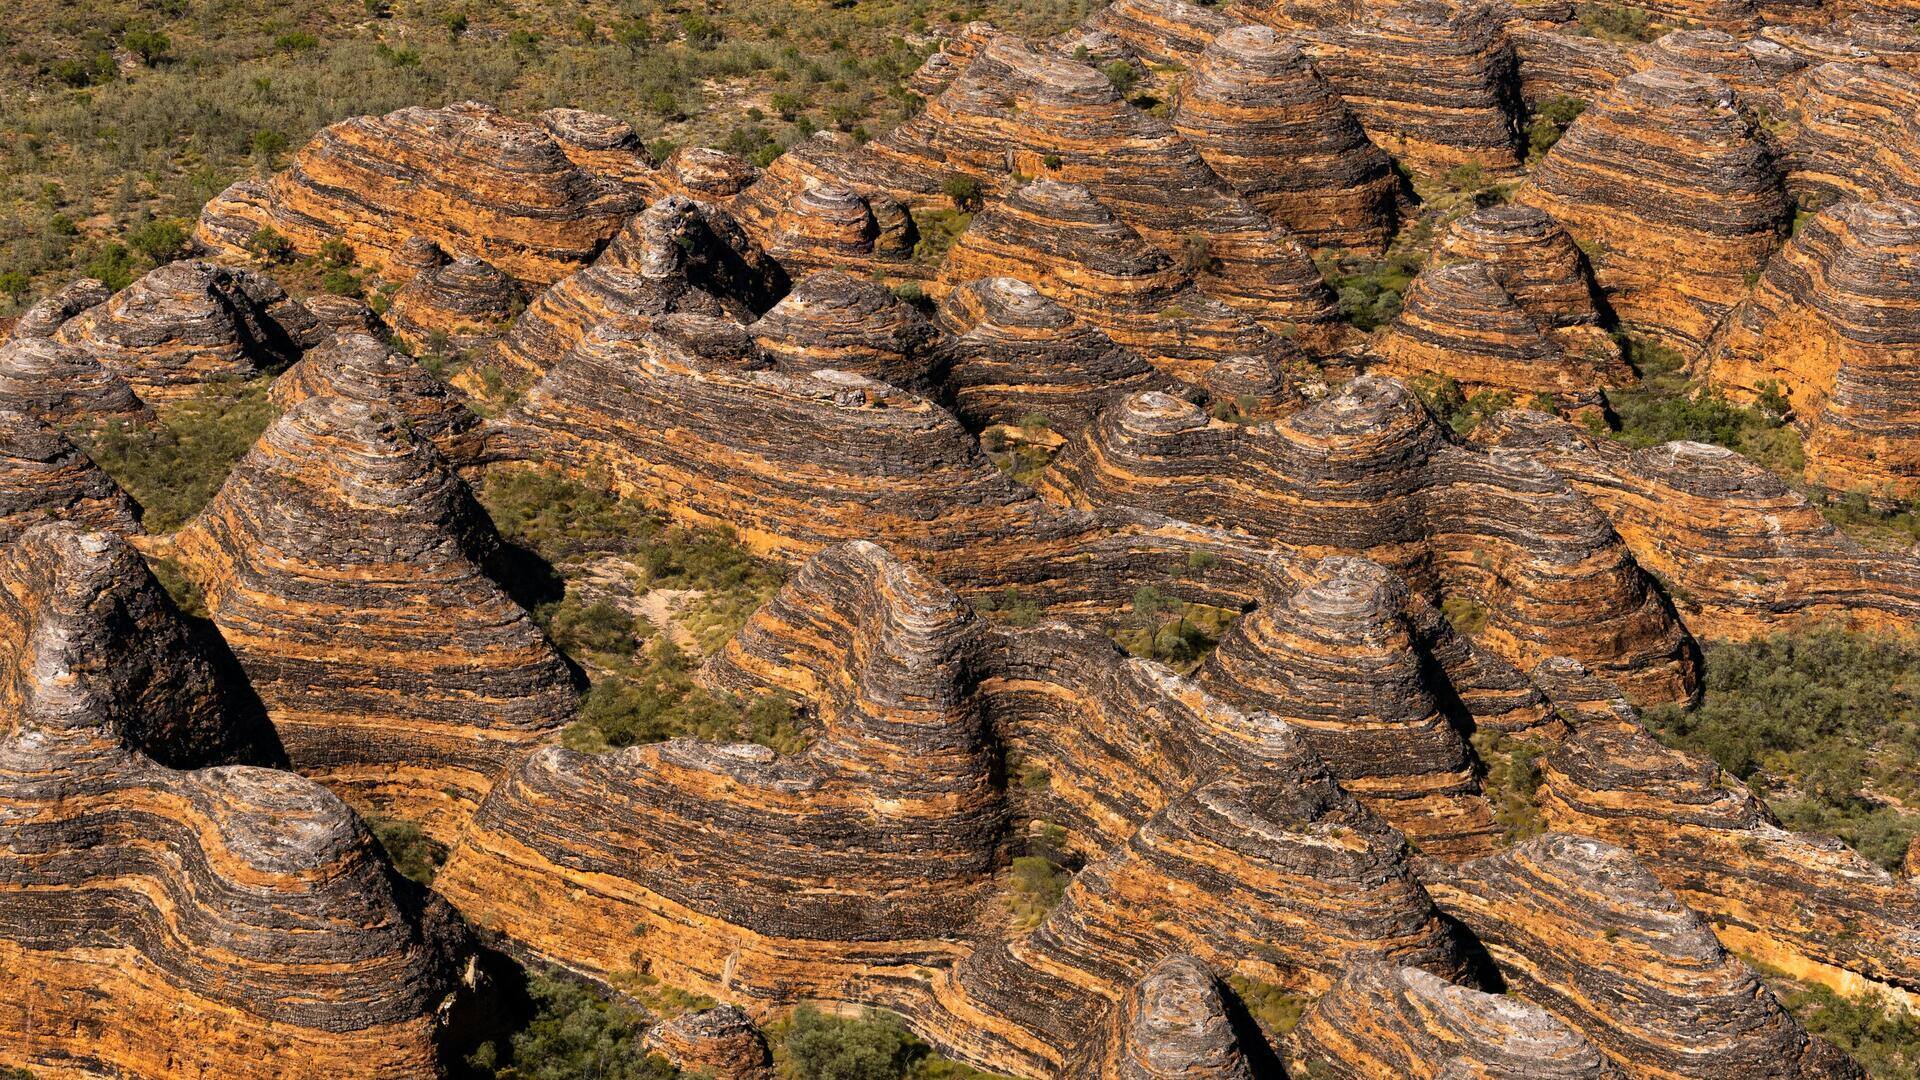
(1850, 133)
(1263, 120)
(1015, 353)
(1833, 327)
(1432, 81)
(1383, 1020)
(1805, 904)
(1582, 928)
(1675, 200)
(343, 563)
(44, 477)
(188, 323)
(1368, 472)
(1745, 552)
(465, 176)
(225, 921)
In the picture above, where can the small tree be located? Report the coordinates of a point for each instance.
(963, 190)
(1122, 75)
(160, 240)
(150, 46)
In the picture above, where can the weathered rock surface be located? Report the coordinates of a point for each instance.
(51, 311)
(469, 179)
(706, 175)
(1849, 134)
(363, 368)
(1257, 112)
(1172, 1024)
(1834, 327)
(1016, 352)
(343, 564)
(189, 323)
(1431, 81)
(1745, 554)
(64, 385)
(228, 921)
(721, 1042)
(1676, 200)
(1383, 1020)
(467, 302)
(831, 321)
(1368, 472)
(1539, 266)
(602, 146)
(1807, 905)
(1161, 31)
(44, 478)
(1582, 928)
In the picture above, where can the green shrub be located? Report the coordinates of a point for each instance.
(1272, 1007)
(963, 190)
(1882, 1037)
(573, 1034)
(1510, 778)
(1122, 75)
(413, 853)
(149, 45)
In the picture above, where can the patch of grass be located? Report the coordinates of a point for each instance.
(1176, 632)
(413, 853)
(809, 1044)
(1615, 22)
(1667, 406)
(939, 230)
(1467, 616)
(1884, 1038)
(1548, 121)
(1008, 607)
(174, 468)
(561, 518)
(1272, 1007)
(1022, 451)
(1034, 888)
(1823, 724)
(1510, 779)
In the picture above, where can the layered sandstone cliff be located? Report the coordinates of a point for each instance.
(362, 368)
(44, 477)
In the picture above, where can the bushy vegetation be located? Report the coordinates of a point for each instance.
(1369, 288)
(1177, 632)
(572, 1033)
(1510, 777)
(175, 467)
(1883, 1038)
(1666, 406)
(1614, 22)
(1548, 122)
(1024, 450)
(416, 855)
(93, 150)
(1272, 1007)
(1824, 724)
(813, 1045)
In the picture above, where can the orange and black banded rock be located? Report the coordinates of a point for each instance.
(229, 921)
(44, 477)
(344, 315)
(602, 146)
(707, 246)
(1554, 64)
(1161, 31)
(1850, 133)
(1339, 660)
(465, 302)
(1745, 552)
(342, 562)
(826, 227)
(1173, 1025)
(64, 385)
(1432, 82)
(191, 322)
(1067, 245)
(706, 175)
(1805, 904)
(1742, 64)
(939, 70)
(755, 874)
(363, 368)
(469, 179)
(1382, 1020)
(1834, 326)
(833, 321)
(1017, 112)
(1538, 265)
(1460, 322)
(1583, 929)
(720, 1042)
(1016, 353)
(1256, 111)
(1675, 199)
(1367, 471)
(49, 312)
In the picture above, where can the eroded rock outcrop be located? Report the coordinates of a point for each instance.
(153, 922)
(1384, 1020)
(44, 477)
(831, 321)
(466, 177)
(465, 303)
(189, 323)
(49, 312)
(63, 385)
(1582, 928)
(1256, 111)
(363, 368)
(1833, 328)
(1676, 200)
(343, 564)
(1173, 1024)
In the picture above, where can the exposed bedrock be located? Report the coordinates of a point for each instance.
(1538, 264)
(1173, 1025)
(603, 146)
(831, 321)
(1340, 661)
(1433, 82)
(469, 179)
(52, 310)
(1805, 904)
(1834, 327)
(64, 386)
(1673, 197)
(343, 563)
(1743, 552)
(44, 477)
(830, 227)
(1583, 929)
(1368, 472)
(191, 322)
(157, 923)
(1161, 31)
(1267, 124)
(1850, 134)
(362, 368)
(1017, 352)
(720, 1041)
(1384, 1020)
(706, 175)
(464, 303)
